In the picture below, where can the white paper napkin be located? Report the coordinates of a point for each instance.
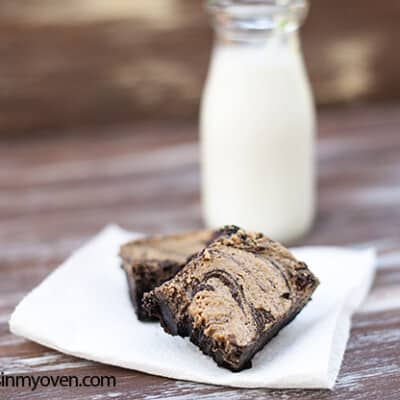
(83, 309)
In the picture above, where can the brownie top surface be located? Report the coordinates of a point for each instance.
(238, 287)
(176, 248)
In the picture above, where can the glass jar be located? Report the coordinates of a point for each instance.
(257, 121)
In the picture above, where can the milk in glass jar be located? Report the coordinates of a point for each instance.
(257, 120)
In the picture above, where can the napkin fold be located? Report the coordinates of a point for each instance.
(83, 309)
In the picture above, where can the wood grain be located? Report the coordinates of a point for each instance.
(56, 193)
(90, 62)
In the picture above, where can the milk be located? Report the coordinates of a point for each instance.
(257, 127)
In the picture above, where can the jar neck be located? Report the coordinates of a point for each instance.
(241, 38)
(255, 21)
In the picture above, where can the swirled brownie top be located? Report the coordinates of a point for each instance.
(175, 248)
(234, 296)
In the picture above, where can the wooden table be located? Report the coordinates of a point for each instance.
(56, 193)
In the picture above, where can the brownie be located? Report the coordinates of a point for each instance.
(151, 261)
(234, 296)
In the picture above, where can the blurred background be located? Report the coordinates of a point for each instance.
(88, 63)
(98, 124)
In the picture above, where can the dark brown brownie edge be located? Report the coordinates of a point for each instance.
(160, 310)
(143, 277)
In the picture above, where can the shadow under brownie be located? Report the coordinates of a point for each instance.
(151, 261)
(234, 296)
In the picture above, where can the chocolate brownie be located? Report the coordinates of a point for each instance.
(150, 262)
(234, 296)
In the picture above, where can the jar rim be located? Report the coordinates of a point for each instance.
(278, 4)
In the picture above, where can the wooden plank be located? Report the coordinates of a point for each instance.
(56, 193)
